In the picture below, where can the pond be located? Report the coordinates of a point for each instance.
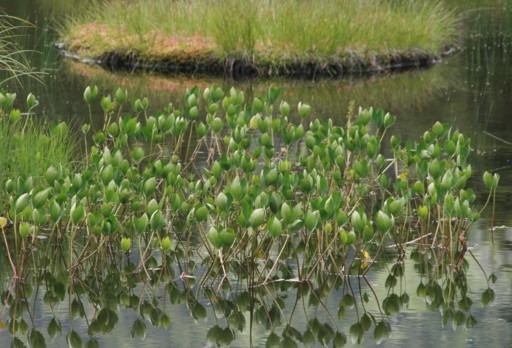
(470, 91)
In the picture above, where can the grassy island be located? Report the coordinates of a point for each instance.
(262, 37)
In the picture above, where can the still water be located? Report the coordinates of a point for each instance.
(471, 90)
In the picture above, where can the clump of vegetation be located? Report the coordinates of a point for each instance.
(246, 182)
(253, 190)
(28, 146)
(272, 37)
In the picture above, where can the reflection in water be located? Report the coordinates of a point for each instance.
(402, 93)
(330, 309)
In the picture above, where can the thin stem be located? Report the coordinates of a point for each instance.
(15, 276)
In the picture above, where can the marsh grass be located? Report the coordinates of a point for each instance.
(29, 146)
(263, 30)
(30, 150)
(13, 60)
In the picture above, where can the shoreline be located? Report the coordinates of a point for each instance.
(239, 66)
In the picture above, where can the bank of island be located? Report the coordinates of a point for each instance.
(262, 37)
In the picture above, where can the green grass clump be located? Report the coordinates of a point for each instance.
(31, 151)
(275, 30)
(28, 146)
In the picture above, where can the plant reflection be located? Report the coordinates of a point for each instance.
(291, 312)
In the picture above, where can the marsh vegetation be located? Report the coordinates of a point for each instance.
(222, 190)
(264, 38)
(229, 216)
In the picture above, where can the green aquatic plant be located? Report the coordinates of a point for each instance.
(230, 182)
(224, 187)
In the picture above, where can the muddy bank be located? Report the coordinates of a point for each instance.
(240, 66)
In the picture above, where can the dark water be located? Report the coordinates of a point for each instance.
(472, 91)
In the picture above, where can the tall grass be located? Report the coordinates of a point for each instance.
(13, 60)
(29, 149)
(286, 27)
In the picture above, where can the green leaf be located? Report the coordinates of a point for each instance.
(138, 329)
(165, 321)
(36, 339)
(140, 223)
(121, 96)
(275, 227)
(237, 320)
(358, 221)
(77, 309)
(201, 213)
(286, 212)
(149, 186)
(221, 201)
(312, 219)
(383, 221)
(470, 322)
(339, 340)
(157, 220)
(90, 94)
(214, 237)
(54, 328)
(272, 94)
(257, 217)
(366, 321)
(24, 229)
(77, 214)
(348, 301)
(17, 343)
(74, 340)
(356, 333)
(126, 244)
(41, 198)
(438, 129)
(341, 312)
(304, 109)
(21, 203)
(227, 236)
(488, 297)
(107, 319)
(381, 332)
(166, 244)
(199, 311)
(107, 174)
(391, 304)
